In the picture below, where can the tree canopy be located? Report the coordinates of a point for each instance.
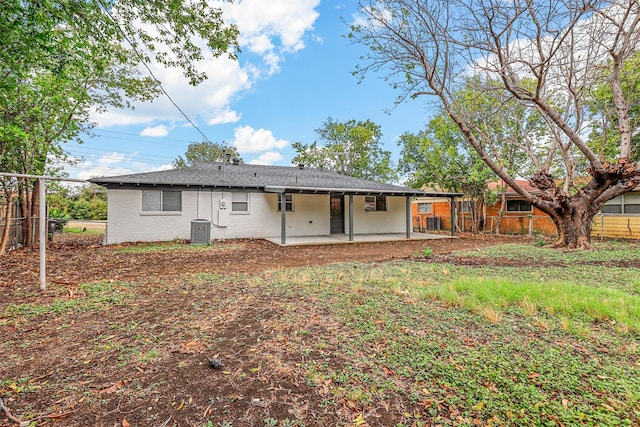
(59, 60)
(350, 148)
(542, 62)
(439, 158)
(207, 151)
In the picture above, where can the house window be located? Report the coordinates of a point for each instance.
(375, 203)
(239, 202)
(464, 207)
(425, 208)
(623, 204)
(161, 201)
(518, 206)
(288, 200)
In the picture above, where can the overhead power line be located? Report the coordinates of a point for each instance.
(155, 79)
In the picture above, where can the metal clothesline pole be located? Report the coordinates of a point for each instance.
(42, 212)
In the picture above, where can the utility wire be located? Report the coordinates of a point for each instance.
(155, 79)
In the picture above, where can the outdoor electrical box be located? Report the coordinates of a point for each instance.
(200, 231)
(223, 204)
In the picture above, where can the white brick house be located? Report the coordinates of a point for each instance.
(251, 201)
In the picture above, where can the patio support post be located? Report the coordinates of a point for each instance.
(351, 217)
(283, 218)
(408, 216)
(453, 215)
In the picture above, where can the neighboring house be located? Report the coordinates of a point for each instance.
(231, 200)
(431, 213)
(619, 217)
(519, 217)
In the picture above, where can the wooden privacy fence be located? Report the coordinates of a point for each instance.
(616, 226)
(529, 225)
(604, 225)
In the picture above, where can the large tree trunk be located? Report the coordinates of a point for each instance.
(574, 227)
(573, 215)
(503, 208)
(25, 209)
(7, 224)
(29, 206)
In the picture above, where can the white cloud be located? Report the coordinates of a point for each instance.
(110, 159)
(115, 164)
(209, 101)
(155, 131)
(284, 20)
(225, 116)
(268, 158)
(249, 140)
(267, 31)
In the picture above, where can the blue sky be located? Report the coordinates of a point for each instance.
(293, 73)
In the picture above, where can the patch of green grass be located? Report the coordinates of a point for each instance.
(607, 251)
(519, 346)
(91, 296)
(175, 246)
(572, 300)
(82, 230)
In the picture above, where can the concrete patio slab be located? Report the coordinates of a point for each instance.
(335, 239)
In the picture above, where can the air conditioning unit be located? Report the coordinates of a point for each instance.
(200, 232)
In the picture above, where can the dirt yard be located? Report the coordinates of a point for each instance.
(129, 349)
(75, 258)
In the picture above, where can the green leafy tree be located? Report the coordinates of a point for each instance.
(439, 157)
(98, 209)
(350, 148)
(80, 209)
(59, 205)
(605, 138)
(86, 202)
(206, 151)
(59, 60)
(544, 57)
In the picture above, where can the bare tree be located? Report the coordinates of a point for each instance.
(546, 57)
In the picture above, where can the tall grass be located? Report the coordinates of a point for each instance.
(568, 299)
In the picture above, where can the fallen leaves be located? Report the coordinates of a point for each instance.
(114, 387)
(192, 347)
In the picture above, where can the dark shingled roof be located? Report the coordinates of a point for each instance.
(273, 179)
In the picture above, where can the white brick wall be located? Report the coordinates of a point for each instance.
(127, 222)
(391, 221)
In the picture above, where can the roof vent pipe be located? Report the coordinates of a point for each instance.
(300, 166)
(236, 161)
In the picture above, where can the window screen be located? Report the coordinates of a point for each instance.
(425, 207)
(151, 201)
(518, 206)
(240, 202)
(288, 200)
(613, 206)
(375, 203)
(161, 201)
(632, 203)
(171, 201)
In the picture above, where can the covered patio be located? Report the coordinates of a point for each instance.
(349, 193)
(336, 239)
